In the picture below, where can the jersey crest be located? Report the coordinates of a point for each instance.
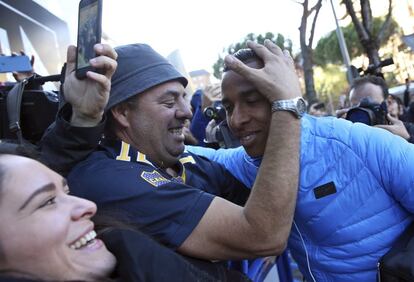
(154, 178)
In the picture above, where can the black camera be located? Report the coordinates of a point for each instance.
(26, 110)
(373, 69)
(223, 135)
(216, 112)
(368, 112)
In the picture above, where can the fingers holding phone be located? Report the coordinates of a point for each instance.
(105, 62)
(89, 96)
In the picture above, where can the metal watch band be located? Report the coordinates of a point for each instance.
(296, 106)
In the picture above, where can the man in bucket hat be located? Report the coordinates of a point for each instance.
(189, 203)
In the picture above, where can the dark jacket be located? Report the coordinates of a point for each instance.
(410, 129)
(63, 145)
(142, 259)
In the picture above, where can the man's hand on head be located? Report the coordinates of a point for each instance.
(89, 97)
(277, 80)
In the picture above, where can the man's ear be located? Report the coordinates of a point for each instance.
(120, 113)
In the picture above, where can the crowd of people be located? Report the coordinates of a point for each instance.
(336, 194)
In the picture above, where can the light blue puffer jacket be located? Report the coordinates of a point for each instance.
(341, 236)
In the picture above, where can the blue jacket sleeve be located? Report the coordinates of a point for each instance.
(234, 160)
(391, 159)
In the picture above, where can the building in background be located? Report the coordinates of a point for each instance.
(30, 27)
(176, 60)
(200, 78)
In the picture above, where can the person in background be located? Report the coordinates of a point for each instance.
(375, 88)
(395, 106)
(199, 102)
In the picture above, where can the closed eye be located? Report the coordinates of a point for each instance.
(251, 101)
(169, 105)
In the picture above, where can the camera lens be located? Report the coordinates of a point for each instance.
(209, 112)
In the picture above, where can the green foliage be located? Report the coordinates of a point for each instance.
(330, 80)
(279, 39)
(327, 50)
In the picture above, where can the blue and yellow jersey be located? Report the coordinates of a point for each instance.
(120, 178)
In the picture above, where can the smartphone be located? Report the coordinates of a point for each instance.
(15, 63)
(89, 33)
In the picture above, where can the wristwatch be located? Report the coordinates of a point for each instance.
(296, 105)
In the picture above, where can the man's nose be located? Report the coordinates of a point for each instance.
(183, 110)
(238, 119)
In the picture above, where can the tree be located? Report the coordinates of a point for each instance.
(364, 27)
(330, 83)
(279, 40)
(306, 46)
(327, 50)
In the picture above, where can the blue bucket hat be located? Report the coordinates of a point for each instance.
(139, 68)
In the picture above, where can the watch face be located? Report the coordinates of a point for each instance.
(301, 106)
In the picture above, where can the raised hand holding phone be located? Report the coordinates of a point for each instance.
(89, 97)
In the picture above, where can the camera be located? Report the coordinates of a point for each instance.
(216, 112)
(26, 110)
(368, 112)
(373, 69)
(222, 134)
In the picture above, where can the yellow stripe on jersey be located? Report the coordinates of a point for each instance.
(183, 175)
(124, 154)
(188, 159)
(142, 158)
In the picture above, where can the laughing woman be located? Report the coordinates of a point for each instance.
(48, 235)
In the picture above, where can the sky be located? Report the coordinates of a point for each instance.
(199, 29)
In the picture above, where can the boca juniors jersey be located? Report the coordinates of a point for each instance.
(124, 181)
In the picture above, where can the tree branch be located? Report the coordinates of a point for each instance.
(303, 24)
(362, 34)
(386, 23)
(366, 15)
(314, 8)
(318, 6)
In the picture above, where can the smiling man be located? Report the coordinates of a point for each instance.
(355, 194)
(187, 202)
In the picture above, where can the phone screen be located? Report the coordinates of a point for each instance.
(88, 23)
(15, 63)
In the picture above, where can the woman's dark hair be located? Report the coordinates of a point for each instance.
(108, 219)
